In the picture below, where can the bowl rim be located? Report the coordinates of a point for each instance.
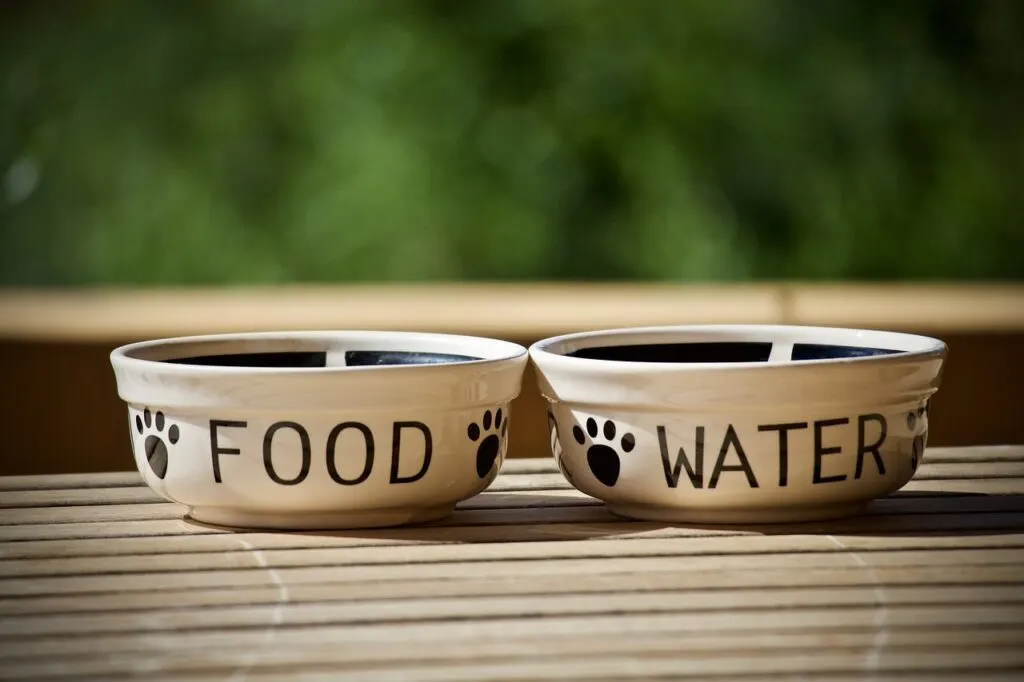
(922, 347)
(484, 351)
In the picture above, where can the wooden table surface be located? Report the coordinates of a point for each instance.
(99, 579)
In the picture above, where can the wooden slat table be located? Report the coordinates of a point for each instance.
(99, 579)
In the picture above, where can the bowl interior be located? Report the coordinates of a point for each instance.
(321, 350)
(322, 358)
(732, 345)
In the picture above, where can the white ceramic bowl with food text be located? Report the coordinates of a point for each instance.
(738, 423)
(305, 430)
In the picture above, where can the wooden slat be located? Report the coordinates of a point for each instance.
(53, 506)
(976, 455)
(526, 310)
(523, 511)
(896, 509)
(603, 667)
(493, 606)
(114, 479)
(531, 310)
(312, 569)
(481, 552)
(22, 506)
(136, 495)
(289, 667)
(290, 660)
(95, 514)
(962, 471)
(14, 499)
(105, 497)
(907, 306)
(111, 529)
(893, 516)
(353, 553)
(499, 526)
(852, 575)
(482, 629)
(532, 513)
(980, 486)
(441, 535)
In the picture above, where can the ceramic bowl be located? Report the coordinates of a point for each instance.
(738, 424)
(319, 429)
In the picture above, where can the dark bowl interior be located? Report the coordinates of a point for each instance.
(722, 351)
(290, 359)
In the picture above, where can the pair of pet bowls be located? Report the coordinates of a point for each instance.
(698, 424)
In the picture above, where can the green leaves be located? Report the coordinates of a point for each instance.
(194, 142)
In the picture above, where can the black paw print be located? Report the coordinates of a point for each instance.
(155, 447)
(603, 459)
(487, 451)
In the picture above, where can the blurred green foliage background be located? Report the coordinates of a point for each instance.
(261, 141)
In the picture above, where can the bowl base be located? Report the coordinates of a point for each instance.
(732, 517)
(342, 520)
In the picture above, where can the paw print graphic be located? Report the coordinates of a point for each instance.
(604, 459)
(489, 446)
(155, 445)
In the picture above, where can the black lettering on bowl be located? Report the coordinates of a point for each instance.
(278, 431)
(872, 431)
(268, 457)
(820, 450)
(396, 450)
(215, 449)
(863, 447)
(783, 431)
(332, 464)
(695, 469)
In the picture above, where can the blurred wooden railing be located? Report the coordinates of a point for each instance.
(61, 412)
